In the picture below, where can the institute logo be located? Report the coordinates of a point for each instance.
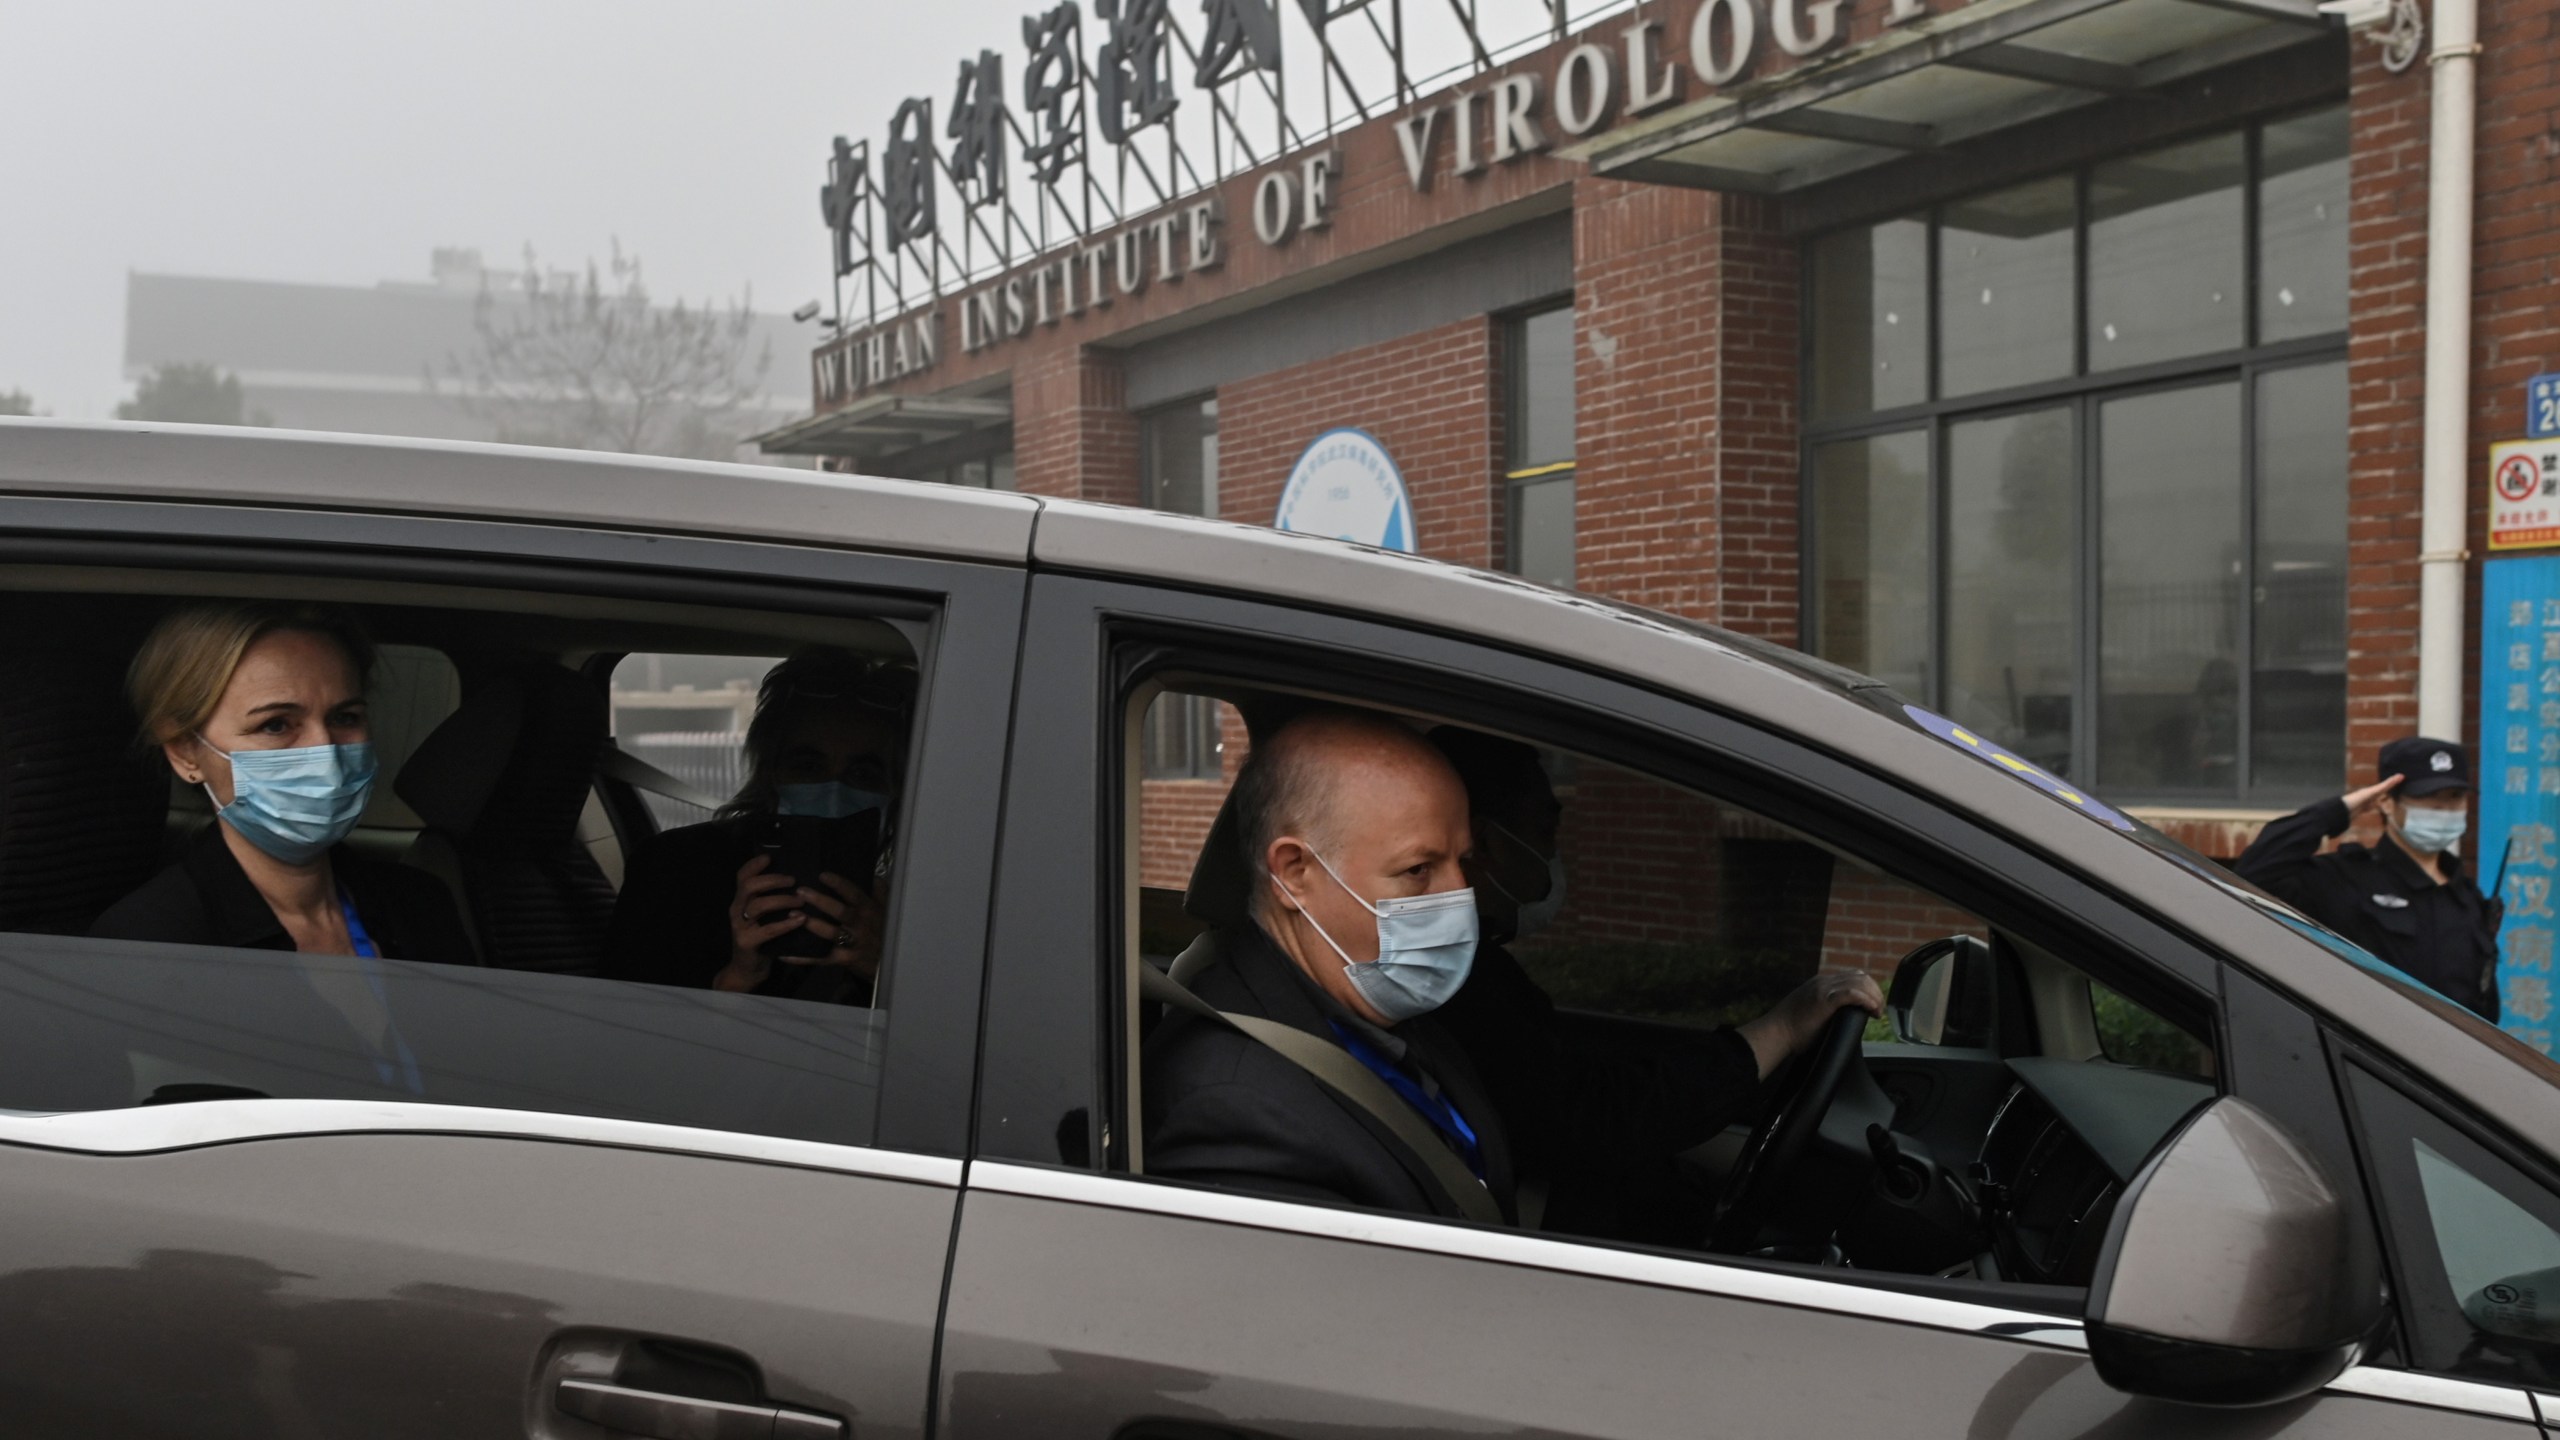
(1346, 487)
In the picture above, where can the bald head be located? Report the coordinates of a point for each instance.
(1345, 781)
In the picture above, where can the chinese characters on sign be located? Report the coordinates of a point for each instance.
(2524, 494)
(2542, 408)
(2520, 779)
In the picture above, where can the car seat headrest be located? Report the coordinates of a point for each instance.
(81, 805)
(516, 760)
(1220, 892)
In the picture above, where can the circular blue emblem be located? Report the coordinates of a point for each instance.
(1346, 487)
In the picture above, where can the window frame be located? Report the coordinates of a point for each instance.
(1201, 406)
(1518, 479)
(971, 611)
(2083, 393)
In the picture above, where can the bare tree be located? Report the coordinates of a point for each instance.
(17, 402)
(589, 363)
(197, 394)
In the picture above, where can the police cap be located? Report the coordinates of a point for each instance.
(2430, 767)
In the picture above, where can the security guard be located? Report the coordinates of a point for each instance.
(2408, 900)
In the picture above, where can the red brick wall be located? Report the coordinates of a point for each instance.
(1429, 399)
(1174, 816)
(1685, 421)
(1872, 921)
(1073, 434)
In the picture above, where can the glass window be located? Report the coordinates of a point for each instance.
(2166, 253)
(1541, 530)
(2005, 293)
(1181, 739)
(2171, 571)
(1541, 427)
(1871, 318)
(1538, 513)
(517, 928)
(2298, 624)
(1179, 447)
(2010, 612)
(2479, 1251)
(2302, 227)
(1871, 593)
(2140, 504)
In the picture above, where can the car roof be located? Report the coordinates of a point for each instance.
(1823, 705)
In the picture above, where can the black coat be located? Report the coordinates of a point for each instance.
(206, 899)
(1223, 1110)
(671, 921)
(2446, 936)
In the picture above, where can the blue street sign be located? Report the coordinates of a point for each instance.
(2520, 780)
(2542, 408)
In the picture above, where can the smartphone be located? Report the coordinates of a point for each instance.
(805, 847)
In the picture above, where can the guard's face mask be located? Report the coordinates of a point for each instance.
(2430, 831)
(294, 804)
(1426, 947)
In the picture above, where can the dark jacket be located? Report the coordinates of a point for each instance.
(1596, 1113)
(671, 922)
(1222, 1110)
(206, 899)
(2445, 936)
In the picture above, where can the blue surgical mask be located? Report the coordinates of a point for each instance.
(294, 804)
(826, 799)
(1426, 947)
(2430, 832)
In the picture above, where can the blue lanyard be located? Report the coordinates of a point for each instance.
(403, 1074)
(1444, 1117)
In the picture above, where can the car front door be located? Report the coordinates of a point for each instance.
(574, 1207)
(1087, 1301)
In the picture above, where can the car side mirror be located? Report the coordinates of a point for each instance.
(2234, 1270)
(1942, 994)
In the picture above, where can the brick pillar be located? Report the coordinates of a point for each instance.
(2386, 388)
(1685, 427)
(1073, 435)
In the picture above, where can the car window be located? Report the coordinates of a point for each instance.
(2477, 1243)
(518, 916)
(1645, 918)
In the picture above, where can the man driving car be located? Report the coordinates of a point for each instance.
(1355, 831)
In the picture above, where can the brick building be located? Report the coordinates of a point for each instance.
(2057, 360)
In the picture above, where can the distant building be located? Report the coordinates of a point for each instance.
(339, 357)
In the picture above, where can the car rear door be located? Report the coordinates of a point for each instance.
(1089, 1302)
(607, 1208)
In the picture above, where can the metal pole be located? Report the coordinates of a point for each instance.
(2442, 556)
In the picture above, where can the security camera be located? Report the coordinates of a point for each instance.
(2359, 14)
(809, 312)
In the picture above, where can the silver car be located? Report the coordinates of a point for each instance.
(2137, 1150)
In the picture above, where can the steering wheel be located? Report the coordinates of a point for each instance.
(1806, 1088)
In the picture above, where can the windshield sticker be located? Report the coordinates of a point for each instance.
(2027, 770)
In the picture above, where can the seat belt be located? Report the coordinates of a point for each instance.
(616, 763)
(1346, 1077)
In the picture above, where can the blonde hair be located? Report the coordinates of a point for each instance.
(179, 674)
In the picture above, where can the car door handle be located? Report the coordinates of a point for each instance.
(683, 1417)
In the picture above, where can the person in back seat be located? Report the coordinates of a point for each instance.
(711, 905)
(263, 706)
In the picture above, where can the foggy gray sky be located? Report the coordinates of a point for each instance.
(337, 143)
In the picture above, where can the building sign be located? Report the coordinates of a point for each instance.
(2520, 779)
(1346, 487)
(2542, 408)
(944, 211)
(2524, 494)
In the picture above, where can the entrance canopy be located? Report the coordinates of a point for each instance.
(882, 425)
(1942, 81)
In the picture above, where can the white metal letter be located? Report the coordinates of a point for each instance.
(1315, 189)
(1790, 16)
(1207, 217)
(1745, 25)
(1462, 133)
(1275, 207)
(1583, 86)
(1645, 67)
(1515, 100)
(1413, 136)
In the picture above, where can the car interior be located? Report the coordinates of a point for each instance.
(515, 732)
(1976, 1135)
